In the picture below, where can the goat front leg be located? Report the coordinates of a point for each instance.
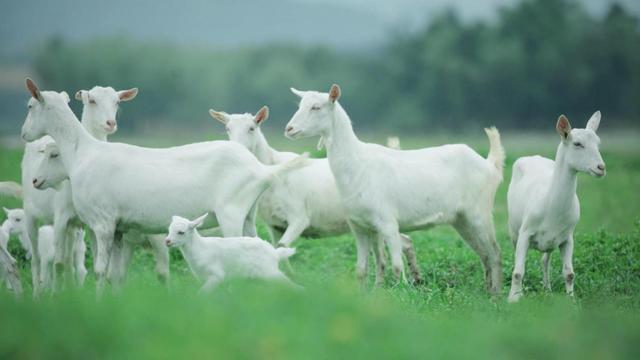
(32, 233)
(546, 267)
(61, 259)
(104, 243)
(294, 230)
(412, 259)
(522, 246)
(566, 251)
(161, 255)
(363, 247)
(211, 282)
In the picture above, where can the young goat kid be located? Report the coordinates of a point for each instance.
(543, 204)
(305, 201)
(212, 259)
(118, 187)
(14, 224)
(386, 191)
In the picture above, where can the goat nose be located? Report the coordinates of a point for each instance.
(34, 181)
(289, 128)
(167, 241)
(601, 167)
(111, 123)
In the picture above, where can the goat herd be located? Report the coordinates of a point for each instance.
(126, 195)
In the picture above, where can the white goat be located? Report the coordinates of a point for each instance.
(386, 191)
(117, 187)
(212, 259)
(51, 173)
(14, 224)
(543, 204)
(53, 206)
(306, 201)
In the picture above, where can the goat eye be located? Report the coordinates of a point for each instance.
(180, 232)
(92, 101)
(29, 107)
(18, 220)
(251, 128)
(53, 156)
(578, 144)
(315, 107)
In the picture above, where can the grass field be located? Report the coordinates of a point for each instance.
(448, 317)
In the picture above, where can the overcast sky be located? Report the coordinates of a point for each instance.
(231, 23)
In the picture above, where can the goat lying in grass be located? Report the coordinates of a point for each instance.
(305, 201)
(543, 205)
(386, 191)
(212, 259)
(120, 187)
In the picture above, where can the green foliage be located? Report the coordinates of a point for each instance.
(448, 317)
(538, 59)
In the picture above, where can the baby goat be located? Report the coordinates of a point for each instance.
(542, 201)
(213, 259)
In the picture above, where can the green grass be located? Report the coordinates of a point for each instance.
(449, 317)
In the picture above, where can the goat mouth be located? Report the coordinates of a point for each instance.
(110, 129)
(597, 173)
(293, 134)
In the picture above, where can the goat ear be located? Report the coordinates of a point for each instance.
(297, 92)
(66, 96)
(321, 144)
(334, 93)
(33, 89)
(262, 115)
(126, 95)
(198, 222)
(219, 115)
(6, 211)
(563, 127)
(594, 122)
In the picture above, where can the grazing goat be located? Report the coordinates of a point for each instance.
(55, 206)
(543, 204)
(118, 187)
(306, 201)
(212, 259)
(386, 191)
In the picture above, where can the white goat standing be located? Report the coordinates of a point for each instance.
(305, 201)
(118, 187)
(386, 191)
(14, 224)
(212, 259)
(55, 206)
(543, 205)
(51, 173)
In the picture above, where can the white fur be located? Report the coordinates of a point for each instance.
(55, 206)
(305, 201)
(393, 142)
(213, 259)
(543, 204)
(118, 187)
(14, 224)
(11, 188)
(386, 191)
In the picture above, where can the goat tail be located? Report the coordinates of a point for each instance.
(497, 154)
(11, 188)
(285, 252)
(291, 165)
